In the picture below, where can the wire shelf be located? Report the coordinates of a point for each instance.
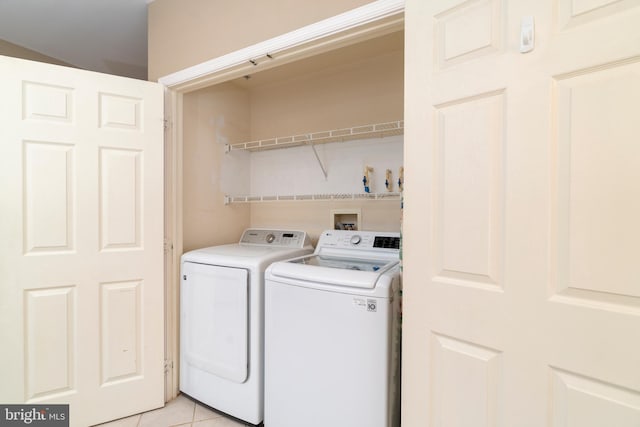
(312, 197)
(338, 135)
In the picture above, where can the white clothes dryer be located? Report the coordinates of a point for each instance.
(221, 320)
(332, 334)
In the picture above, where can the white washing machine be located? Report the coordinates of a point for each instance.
(332, 334)
(221, 319)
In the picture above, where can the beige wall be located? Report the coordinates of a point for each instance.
(355, 86)
(350, 94)
(315, 217)
(183, 33)
(206, 220)
(10, 49)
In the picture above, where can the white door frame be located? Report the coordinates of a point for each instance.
(372, 20)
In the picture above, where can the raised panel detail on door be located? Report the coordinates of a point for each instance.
(579, 401)
(47, 102)
(466, 383)
(597, 232)
(49, 197)
(468, 30)
(121, 330)
(120, 112)
(576, 12)
(82, 232)
(564, 322)
(468, 191)
(120, 199)
(50, 341)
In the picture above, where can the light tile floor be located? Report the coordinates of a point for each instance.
(182, 412)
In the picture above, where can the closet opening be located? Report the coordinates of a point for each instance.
(334, 114)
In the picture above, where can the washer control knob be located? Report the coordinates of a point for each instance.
(271, 237)
(355, 240)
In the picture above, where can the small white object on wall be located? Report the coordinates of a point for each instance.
(527, 34)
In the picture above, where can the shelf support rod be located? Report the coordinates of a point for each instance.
(313, 147)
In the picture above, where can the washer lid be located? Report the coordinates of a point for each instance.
(372, 265)
(356, 273)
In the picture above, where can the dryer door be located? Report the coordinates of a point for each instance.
(214, 320)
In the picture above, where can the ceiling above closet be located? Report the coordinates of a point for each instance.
(349, 54)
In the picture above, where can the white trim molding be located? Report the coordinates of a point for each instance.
(376, 18)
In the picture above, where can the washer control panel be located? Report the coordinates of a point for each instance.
(280, 238)
(345, 239)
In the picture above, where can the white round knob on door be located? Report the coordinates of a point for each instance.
(355, 240)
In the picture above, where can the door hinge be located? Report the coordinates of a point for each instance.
(168, 245)
(168, 366)
(167, 124)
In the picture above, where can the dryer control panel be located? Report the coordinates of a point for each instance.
(280, 238)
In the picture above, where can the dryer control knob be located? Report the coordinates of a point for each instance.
(270, 238)
(355, 240)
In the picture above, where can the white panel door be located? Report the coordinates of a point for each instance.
(81, 260)
(521, 221)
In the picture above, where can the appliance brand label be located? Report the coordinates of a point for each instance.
(372, 305)
(368, 304)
